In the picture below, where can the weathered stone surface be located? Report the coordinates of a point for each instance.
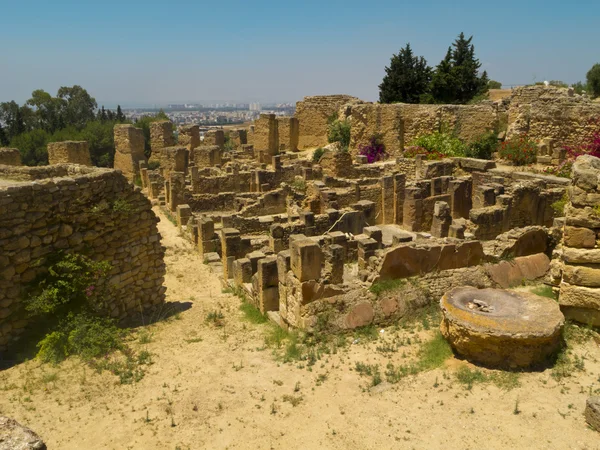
(582, 275)
(581, 256)
(501, 328)
(360, 315)
(592, 412)
(512, 273)
(69, 152)
(10, 156)
(14, 436)
(580, 296)
(579, 237)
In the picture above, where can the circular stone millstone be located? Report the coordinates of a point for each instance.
(500, 328)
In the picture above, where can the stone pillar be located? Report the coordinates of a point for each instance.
(189, 136)
(387, 200)
(207, 241)
(267, 285)
(374, 233)
(177, 190)
(184, 212)
(69, 152)
(266, 136)
(337, 258)
(242, 271)
(129, 149)
(580, 286)
(305, 259)
(399, 185)
(174, 159)
(366, 249)
(442, 219)
(231, 244)
(276, 238)
(413, 209)
(161, 136)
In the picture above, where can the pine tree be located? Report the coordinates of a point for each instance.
(407, 78)
(456, 78)
(442, 83)
(120, 117)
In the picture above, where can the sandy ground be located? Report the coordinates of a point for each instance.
(221, 386)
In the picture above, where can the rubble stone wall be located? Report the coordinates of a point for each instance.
(95, 212)
(10, 157)
(313, 114)
(399, 124)
(549, 112)
(69, 152)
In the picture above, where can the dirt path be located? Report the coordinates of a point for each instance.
(214, 386)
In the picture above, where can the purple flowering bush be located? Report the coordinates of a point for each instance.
(374, 150)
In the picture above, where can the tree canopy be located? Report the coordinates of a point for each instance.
(593, 80)
(456, 79)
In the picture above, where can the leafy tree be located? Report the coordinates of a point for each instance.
(3, 137)
(32, 145)
(16, 119)
(580, 87)
(144, 123)
(593, 80)
(47, 110)
(406, 78)
(79, 106)
(492, 84)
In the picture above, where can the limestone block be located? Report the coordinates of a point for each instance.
(579, 296)
(305, 259)
(579, 237)
(592, 412)
(283, 264)
(15, 436)
(582, 198)
(582, 217)
(582, 275)
(242, 271)
(581, 256)
(359, 316)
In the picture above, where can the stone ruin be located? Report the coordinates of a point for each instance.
(75, 208)
(69, 152)
(304, 241)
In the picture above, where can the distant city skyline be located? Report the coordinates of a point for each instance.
(153, 53)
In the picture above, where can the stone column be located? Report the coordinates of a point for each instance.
(413, 209)
(177, 189)
(387, 199)
(399, 185)
(580, 286)
(442, 219)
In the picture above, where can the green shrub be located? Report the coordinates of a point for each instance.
(153, 165)
(559, 206)
(520, 151)
(483, 147)
(339, 131)
(318, 153)
(444, 143)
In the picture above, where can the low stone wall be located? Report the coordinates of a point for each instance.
(10, 157)
(69, 152)
(95, 212)
(313, 114)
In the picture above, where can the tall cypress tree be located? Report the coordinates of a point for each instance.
(442, 83)
(120, 116)
(406, 78)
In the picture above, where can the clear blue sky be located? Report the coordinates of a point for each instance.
(134, 52)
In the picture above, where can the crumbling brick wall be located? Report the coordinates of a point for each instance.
(550, 112)
(313, 114)
(69, 152)
(10, 157)
(95, 212)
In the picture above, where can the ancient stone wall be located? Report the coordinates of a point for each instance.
(95, 212)
(549, 112)
(10, 157)
(266, 136)
(580, 287)
(313, 114)
(161, 136)
(399, 124)
(69, 152)
(129, 150)
(288, 129)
